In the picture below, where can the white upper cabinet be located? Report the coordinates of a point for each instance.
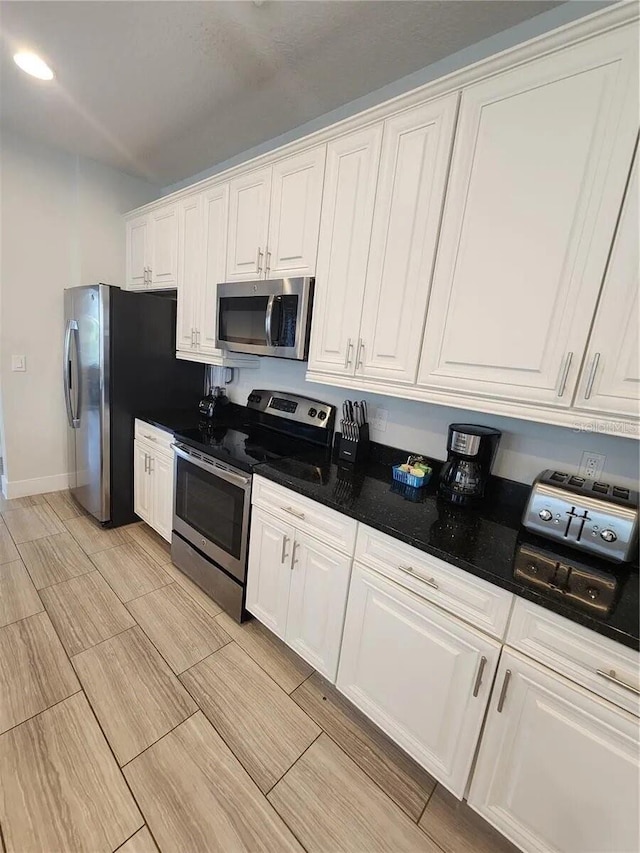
(152, 250)
(189, 271)
(274, 216)
(215, 216)
(137, 240)
(610, 380)
(540, 164)
(557, 770)
(416, 149)
(248, 225)
(164, 247)
(377, 243)
(202, 255)
(345, 234)
(294, 219)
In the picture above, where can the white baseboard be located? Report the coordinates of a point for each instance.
(37, 486)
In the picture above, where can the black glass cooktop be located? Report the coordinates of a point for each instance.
(247, 445)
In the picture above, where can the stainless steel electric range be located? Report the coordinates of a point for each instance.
(214, 464)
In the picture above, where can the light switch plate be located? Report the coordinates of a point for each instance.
(19, 363)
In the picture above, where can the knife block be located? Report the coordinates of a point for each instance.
(355, 450)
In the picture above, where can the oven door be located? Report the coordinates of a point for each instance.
(265, 317)
(211, 509)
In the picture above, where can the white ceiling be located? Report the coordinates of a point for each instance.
(164, 90)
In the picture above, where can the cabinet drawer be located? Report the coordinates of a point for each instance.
(476, 601)
(160, 438)
(308, 516)
(577, 652)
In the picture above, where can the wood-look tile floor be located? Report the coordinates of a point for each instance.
(136, 716)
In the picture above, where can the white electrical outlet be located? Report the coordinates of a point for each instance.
(592, 465)
(378, 422)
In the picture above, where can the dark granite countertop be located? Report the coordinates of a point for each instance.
(172, 420)
(482, 541)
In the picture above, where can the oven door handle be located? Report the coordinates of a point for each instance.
(223, 473)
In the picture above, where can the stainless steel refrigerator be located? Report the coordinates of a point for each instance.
(119, 362)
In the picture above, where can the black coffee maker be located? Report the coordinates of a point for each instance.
(470, 453)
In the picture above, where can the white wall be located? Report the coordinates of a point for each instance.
(60, 227)
(526, 448)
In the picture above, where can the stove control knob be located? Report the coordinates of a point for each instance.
(545, 514)
(322, 415)
(608, 535)
(312, 412)
(592, 592)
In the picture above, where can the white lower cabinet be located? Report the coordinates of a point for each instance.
(153, 482)
(317, 602)
(297, 586)
(269, 571)
(162, 476)
(424, 677)
(142, 495)
(558, 767)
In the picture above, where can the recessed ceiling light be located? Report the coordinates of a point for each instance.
(32, 64)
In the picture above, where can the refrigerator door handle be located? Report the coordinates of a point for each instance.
(72, 328)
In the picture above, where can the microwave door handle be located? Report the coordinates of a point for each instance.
(268, 318)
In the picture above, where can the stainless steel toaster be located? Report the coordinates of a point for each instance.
(589, 515)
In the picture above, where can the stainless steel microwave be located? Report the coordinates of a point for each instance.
(265, 317)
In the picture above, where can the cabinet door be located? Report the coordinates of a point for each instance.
(164, 247)
(416, 148)
(611, 376)
(558, 768)
(142, 492)
(541, 159)
(163, 494)
(189, 272)
(317, 603)
(345, 235)
(248, 225)
(294, 214)
(269, 571)
(216, 214)
(137, 238)
(422, 676)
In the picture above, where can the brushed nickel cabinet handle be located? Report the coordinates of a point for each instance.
(478, 682)
(292, 511)
(503, 692)
(150, 437)
(359, 353)
(294, 559)
(267, 261)
(283, 555)
(592, 375)
(258, 260)
(347, 358)
(146, 462)
(611, 676)
(429, 581)
(565, 373)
